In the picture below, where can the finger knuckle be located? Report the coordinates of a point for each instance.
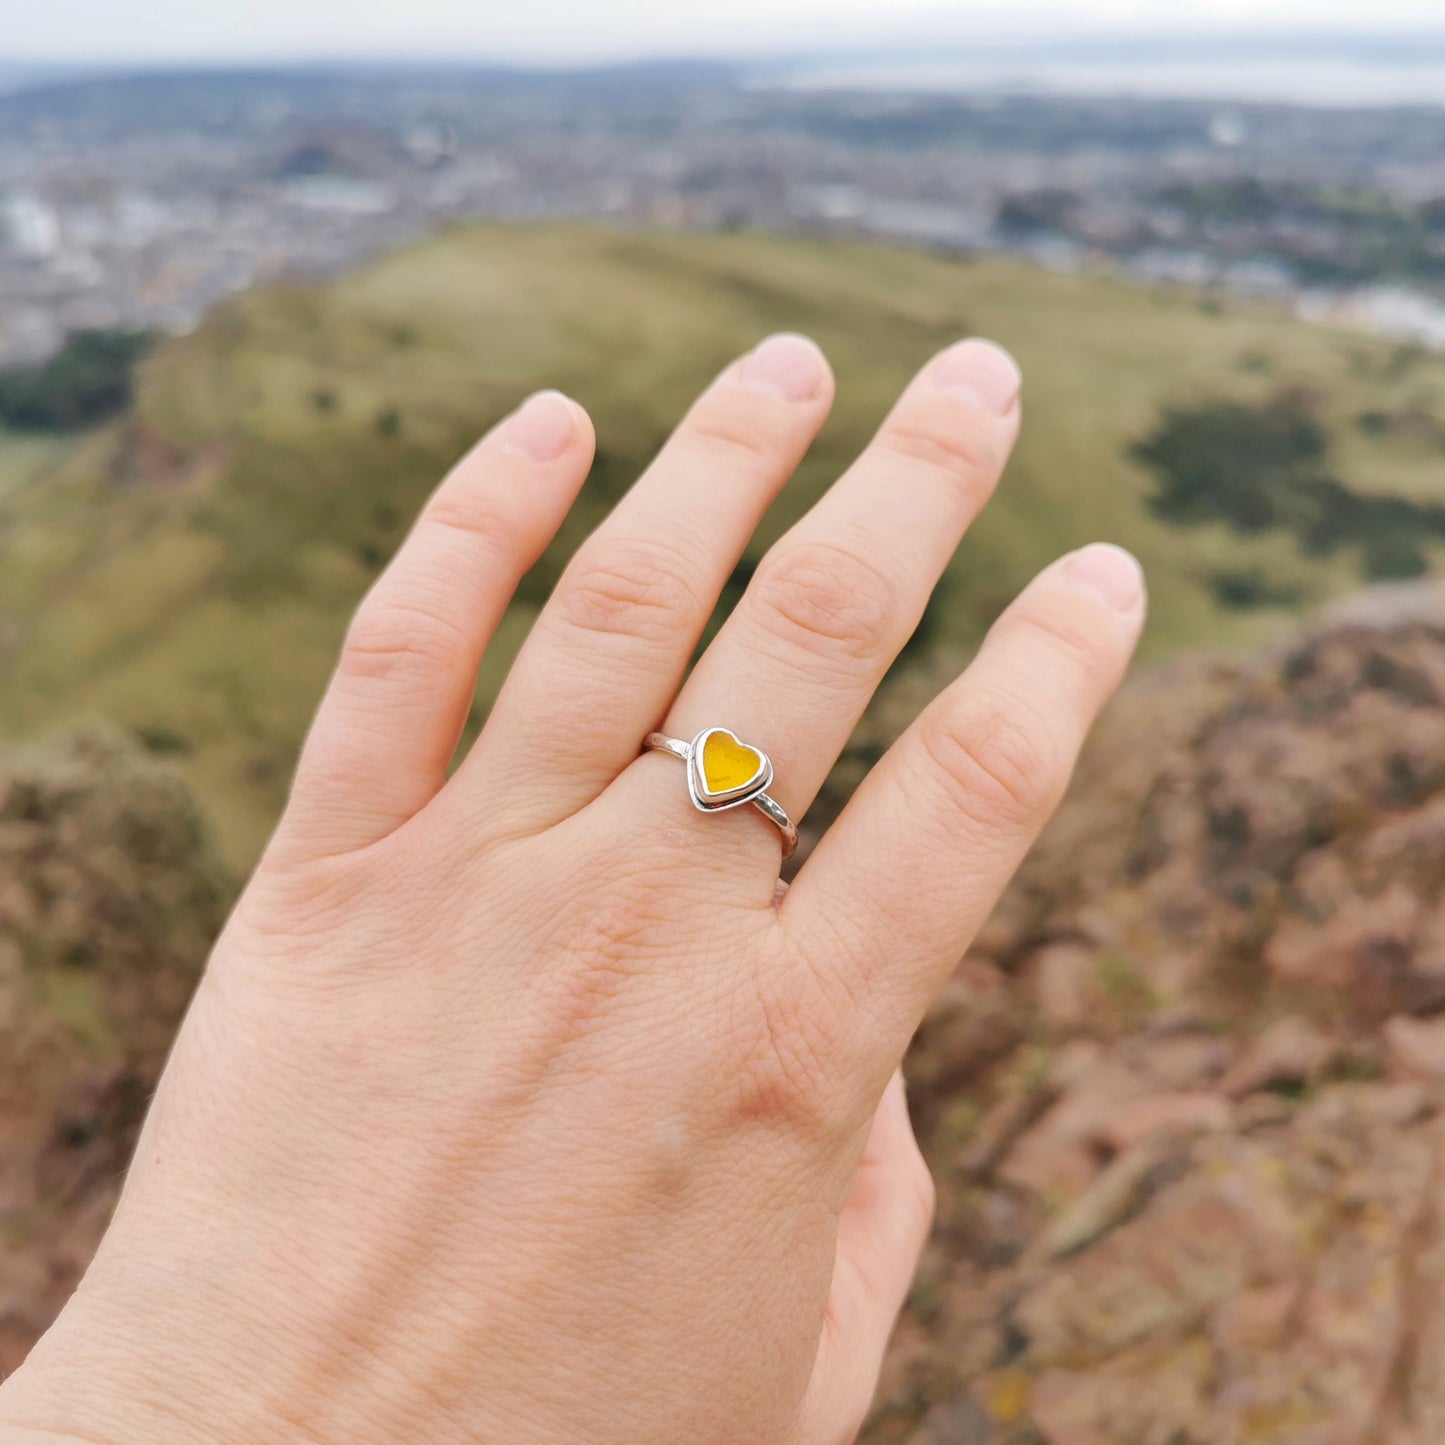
(390, 640)
(642, 590)
(615, 934)
(600, 949)
(291, 898)
(996, 762)
(783, 1082)
(729, 433)
(828, 598)
(1084, 653)
(475, 518)
(941, 443)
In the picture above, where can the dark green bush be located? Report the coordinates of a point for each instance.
(88, 381)
(1266, 468)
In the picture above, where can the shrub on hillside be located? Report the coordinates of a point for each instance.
(88, 381)
(1266, 468)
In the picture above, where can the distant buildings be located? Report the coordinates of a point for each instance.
(141, 204)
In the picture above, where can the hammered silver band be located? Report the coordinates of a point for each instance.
(710, 800)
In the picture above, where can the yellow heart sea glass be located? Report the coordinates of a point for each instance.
(727, 764)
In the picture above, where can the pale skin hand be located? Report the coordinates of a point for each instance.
(514, 1107)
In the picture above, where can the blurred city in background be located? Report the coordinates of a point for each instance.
(140, 200)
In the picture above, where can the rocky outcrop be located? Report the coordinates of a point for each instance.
(1184, 1099)
(109, 899)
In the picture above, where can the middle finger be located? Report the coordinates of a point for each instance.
(606, 656)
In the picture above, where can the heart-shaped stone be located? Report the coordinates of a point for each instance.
(726, 770)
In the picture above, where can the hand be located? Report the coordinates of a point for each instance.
(516, 1106)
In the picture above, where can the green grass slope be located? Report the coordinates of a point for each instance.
(187, 572)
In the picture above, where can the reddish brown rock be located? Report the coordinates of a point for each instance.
(1291, 1050)
(1108, 1406)
(1062, 1153)
(1070, 991)
(1179, 1061)
(1415, 1048)
(1002, 1125)
(1254, 1320)
(1138, 1119)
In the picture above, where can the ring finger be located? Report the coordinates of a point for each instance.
(836, 598)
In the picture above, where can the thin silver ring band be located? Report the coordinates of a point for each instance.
(773, 812)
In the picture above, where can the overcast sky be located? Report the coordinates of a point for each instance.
(580, 30)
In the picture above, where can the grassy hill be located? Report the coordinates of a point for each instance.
(187, 571)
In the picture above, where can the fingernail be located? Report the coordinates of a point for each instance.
(1108, 571)
(785, 365)
(542, 428)
(981, 374)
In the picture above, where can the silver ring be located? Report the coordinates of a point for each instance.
(725, 772)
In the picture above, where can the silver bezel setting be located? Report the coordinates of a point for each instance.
(708, 802)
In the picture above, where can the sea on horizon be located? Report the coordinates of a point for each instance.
(1312, 81)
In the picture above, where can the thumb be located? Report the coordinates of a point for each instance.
(881, 1233)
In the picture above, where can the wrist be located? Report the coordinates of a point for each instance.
(78, 1387)
(110, 1372)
